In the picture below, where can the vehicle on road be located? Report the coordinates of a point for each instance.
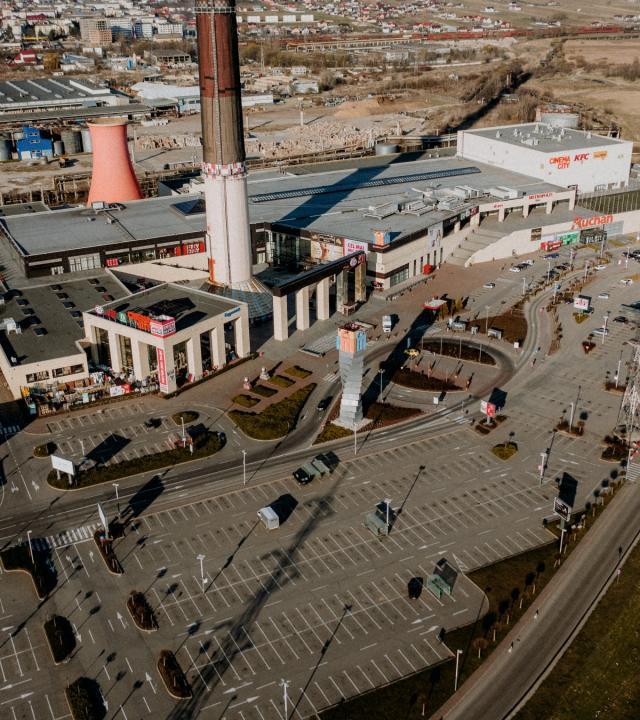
(324, 403)
(515, 268)
(387, 323)
(528, 262)
(314, 469)
(601, 267)
(627, 281)
(600, 331)
(489, 285)
(620, 319)
(550, 256)
(603, 296)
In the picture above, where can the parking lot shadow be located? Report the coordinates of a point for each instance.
(144, 498)
(238, 637)
(108, 449)
(284, 506)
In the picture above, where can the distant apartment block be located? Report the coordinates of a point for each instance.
(95, 31)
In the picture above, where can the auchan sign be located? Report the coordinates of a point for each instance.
(596, 220)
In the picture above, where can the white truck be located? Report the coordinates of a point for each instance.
(269, 517)
(387, 323)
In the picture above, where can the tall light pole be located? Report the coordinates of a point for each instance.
(284, 684)
(543, 462)
(606, 320)
(116, 485)
(381, 373)
(33, 562)
(486, 320)
(571, 416)
(387, 502)
(244, 467)
(201, 559)
(455, 683)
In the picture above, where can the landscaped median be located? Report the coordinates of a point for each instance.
(61, 638)
(204, 445)
(276, 420)
(34, 562)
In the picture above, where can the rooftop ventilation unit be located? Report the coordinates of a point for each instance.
(504, 193)
(379, 212)
(498, 134)
(416, 207)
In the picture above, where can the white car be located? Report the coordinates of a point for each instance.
(514, 268)
(601, 267)
(603, 296)
(627, 281)
(489, 285)
(600, 331)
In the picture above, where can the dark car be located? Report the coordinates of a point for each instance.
(152, 422)
(621, 319)
(324, 404)
(414, 587)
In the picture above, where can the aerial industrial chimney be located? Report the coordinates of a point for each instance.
(224, 168)
(113, 178)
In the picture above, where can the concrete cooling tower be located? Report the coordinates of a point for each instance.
(112, 178)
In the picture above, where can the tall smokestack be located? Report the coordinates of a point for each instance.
(224, 169)
(112, 177)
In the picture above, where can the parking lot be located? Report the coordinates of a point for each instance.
(319, 602)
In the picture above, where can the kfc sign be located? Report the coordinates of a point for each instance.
(594, 221)
(581, 157)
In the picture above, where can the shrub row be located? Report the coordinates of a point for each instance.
(61, 638)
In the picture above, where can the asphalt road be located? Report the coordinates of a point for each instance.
(497, 691)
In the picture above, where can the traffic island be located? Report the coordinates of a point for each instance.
(615, 388)
(423, 381)
(34, 561)
(460, 350)
(174, 679)
(61, 638)
(565, 428)
(44, 450)
(141, 612)
(616, 449)
(378, 414)
(204, 445)
(276, 420)
(485, 427)
(85, 700)
(105, 547)
(185, 416)
(505, 451)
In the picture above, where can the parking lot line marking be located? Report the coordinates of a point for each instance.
(212, 663)
(367, 647)
(283, 638)
(197, 669)
(406, 659)
(255, 707)
(271, 645)
(322, 622)
(15, 653)
(344, 672)
(310, 627)
(337, 687)
(373, 662)
(365, 676)
(420, 655)
(244, 657)
(255, 647)
(229, 663)
(363, 609)
(33, 654)
(304, 695)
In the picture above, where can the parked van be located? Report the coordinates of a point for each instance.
(269, 518)
(387, 323)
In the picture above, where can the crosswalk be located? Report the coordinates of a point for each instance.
(65, 538)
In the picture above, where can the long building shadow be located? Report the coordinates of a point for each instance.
(238, 637)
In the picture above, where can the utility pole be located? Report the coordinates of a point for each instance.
(543, 463)
(244, 467)
(455, 683)
(33, 562)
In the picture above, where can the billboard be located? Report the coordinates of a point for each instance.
(162, 371)
(351, 246)
(487, 408)
(582, 303)
(435, 235)
(63, 465)
(550, 244)
(568, 238)
(325, 251)
(562, 509)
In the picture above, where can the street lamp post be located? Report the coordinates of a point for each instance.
(543, 462)
(548, 270)
(571, 416)
(455, 683)
(201, 559)
(381, 373)
(284, 684)
(244, 467)
(606, 320)
(486, 320)
(33, 562)
(116, 485)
